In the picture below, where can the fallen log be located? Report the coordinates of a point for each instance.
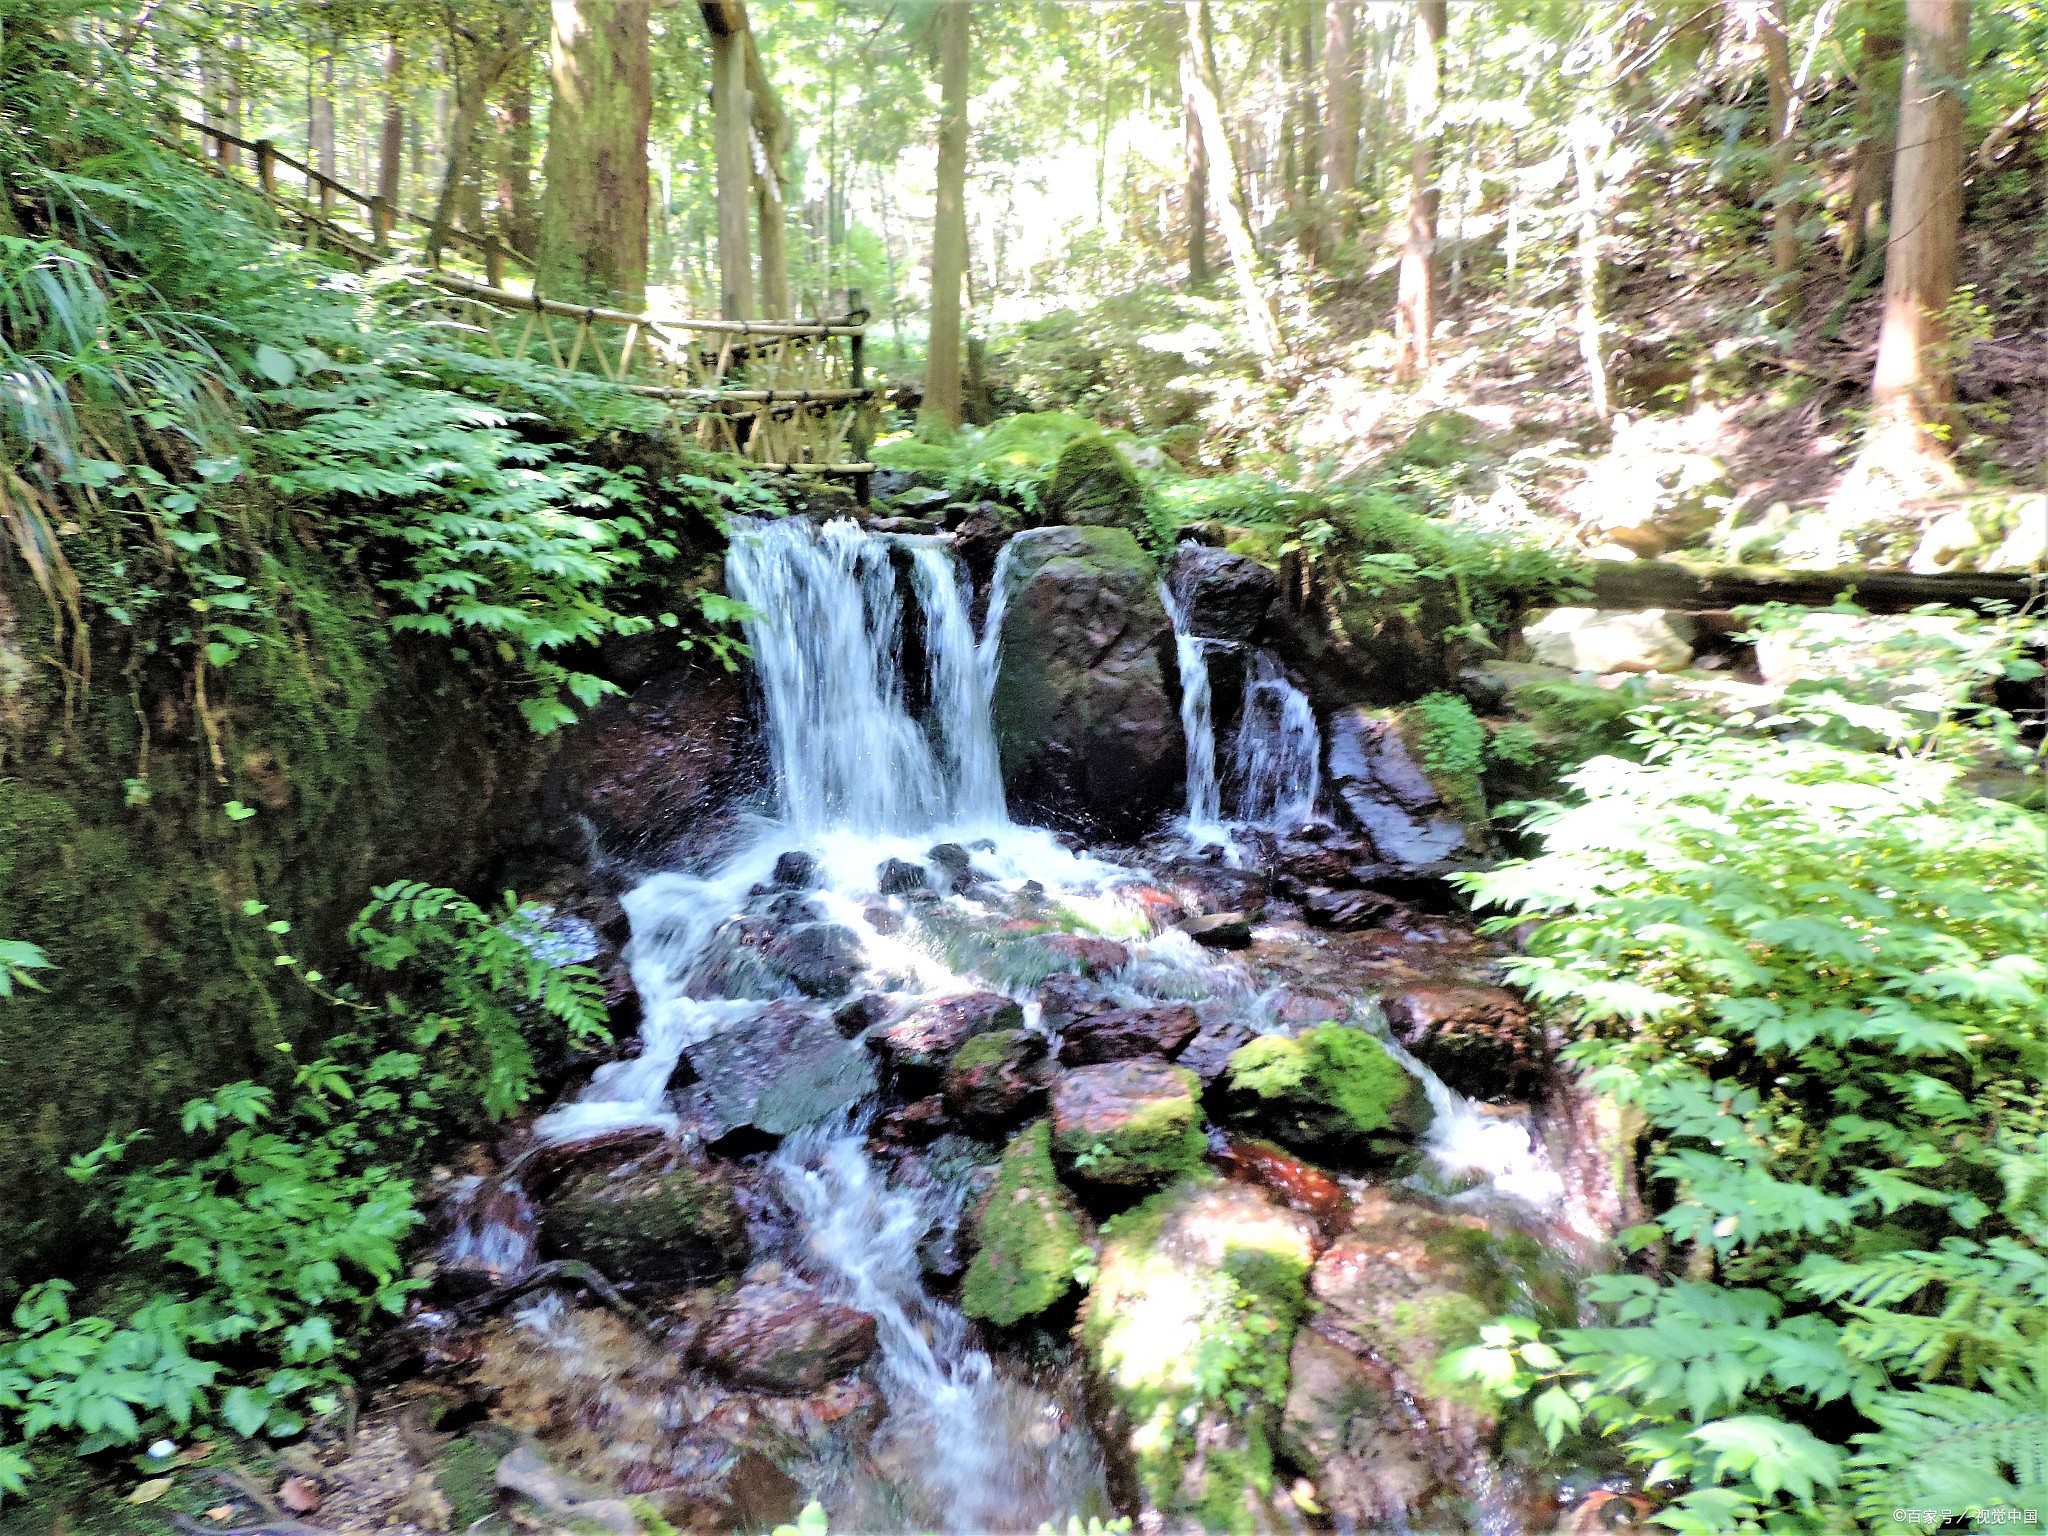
(1666, 584)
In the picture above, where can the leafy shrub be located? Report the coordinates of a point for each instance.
(1010, 461)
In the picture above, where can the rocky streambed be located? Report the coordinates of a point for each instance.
(965, 1175)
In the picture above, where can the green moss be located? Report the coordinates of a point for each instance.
(1160, 1140)
(468, 1479)
(987, 1049)
(1028, 1237)
(1094, 485)
(1331, 1088)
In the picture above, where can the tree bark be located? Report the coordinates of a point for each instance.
(320, 113)
(1910, 389)
(492, 57)
(726, 20)
(1198, 202)
(1587, 135)
(593, 214)
(1784, 208)
(942, 364)
(1415, 303)
(1877, 125)
(1341, 110)
(521, 225)
(391, 138)
(770, 149)
(1198, 81)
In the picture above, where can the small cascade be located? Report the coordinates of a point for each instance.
(990, 652)
(960, 684)
(1197, 722)
(1277, 756)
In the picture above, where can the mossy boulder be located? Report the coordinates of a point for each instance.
(1093, 485)
(1332, 1092)
(1128, 1125)
(666, 1224)
(1185, 1336)
(997, 1079)
(1028, 1236)
(1086, 707)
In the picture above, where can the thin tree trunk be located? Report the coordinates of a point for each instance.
(1198, 202)
(1309, 158)
(1415, 303)
(391, 138)
(770, 149)
(1198, 80)
(942, 363)
(1877, 125)
(320, 113)
(1586, 135)
(593, 216)
(1341, 109)
(1784, 209)
(469, 107)
(734, 156)
(1910, 389)
(515, 163)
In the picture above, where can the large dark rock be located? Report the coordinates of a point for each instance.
(1477, 1039)
(778, 1071)
(781, 1335)
(1085, 705)
(1064, 998)
(924, 1040)
(820, 959)
(643, 771)
(1091, 957)
(1223, 596)
(1123, 1033)
(657, 1221)
(1409, 819)
(997, 1079)
(1332, 1092)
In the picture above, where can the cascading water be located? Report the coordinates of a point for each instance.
(1276, 761)
(1197, 722)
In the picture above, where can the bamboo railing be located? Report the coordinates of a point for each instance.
(784, 395)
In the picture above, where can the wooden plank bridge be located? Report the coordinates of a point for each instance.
(784, 396)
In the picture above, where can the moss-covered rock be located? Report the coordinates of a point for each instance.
(1185, 1332)
(1028, 1236)
(1093, 484)
(997, 1079)
(1332, 1091)
(1128, 1124)
(660, 1225)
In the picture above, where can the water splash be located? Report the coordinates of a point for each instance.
(960, 685)
(1277, 757)
(1198, 725)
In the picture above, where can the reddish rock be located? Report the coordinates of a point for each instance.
(924, 1040)
(1092, 957)
(782, 1335)
(1209, 1053)
(1064, 999)
(1301, 1186)
(1351, 910)
(1123, 1033)
(1478, 1039)
(998, 1079)
(1128, 1124)
(916, 1124)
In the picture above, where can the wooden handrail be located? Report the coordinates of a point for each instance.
(1668, 584)
(504, 298)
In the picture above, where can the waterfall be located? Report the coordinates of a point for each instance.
(1276, 758)
(991, 651)
(1197, 723)
(960, 684)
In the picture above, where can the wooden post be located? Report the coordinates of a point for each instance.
(326, 198)
(856, 376)
(494, 261)
(382, 218)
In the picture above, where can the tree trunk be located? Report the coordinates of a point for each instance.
(1415, 303)
(726, 20)
(1198, 80)
(1910, 388)
(320, 114)
(515, 163)
(1877, 125)
(469, 108)
(1587, 135)
(593, 213)
(1308, 160)
(1784, 207)
(1198, 202)
(391, 139)
(1341, 111)
(942, 362)
(770, 150)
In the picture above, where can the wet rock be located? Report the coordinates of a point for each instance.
(1063, 999)
(1128, 1124)
(902, 525)
(1477, 1039)
(1406, 1283)
(493, 1238)
(1093, 484)
(1410, 820)
(980, 535)
(899, 877)
(882, 919)
(1225, 596)
(1085, 717)
(857, 1015)
(1198, 1264)
(1603, 641)
(1123, 1033)
(654, 1222)
(1331, 1092)
(1297, 1185)
(659, 765)
(793, 908)
(1221, 930)
(1351, 910)
(524, 1471)
(906, 491)
(950, 857)
(1209, 1053)
(1330, 863)
(924, 1040)
(1344, 1425)
(916, 1124)
(997, 1079)
(783, 1335)
(820, 959)
(780, 1071)
(796, 871)
(1091, 957)
(1028, 1236)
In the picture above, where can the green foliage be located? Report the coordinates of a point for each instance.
(1011, 461)
(1821, 974)
(17, 960)
(1156, 1142)
(1452, 745)
(476, 990)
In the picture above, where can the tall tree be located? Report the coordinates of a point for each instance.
(593, 212)
(1341, 112)
(1777, 48)
(320, 107)
(1415, 301)
(481, 50)
(520, 220)
(1197, 199)
(731, 135)
(770, 152)
(391, 136)
(942, 361)
(1877, 124)
(1198, 82)
(1910, 388)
